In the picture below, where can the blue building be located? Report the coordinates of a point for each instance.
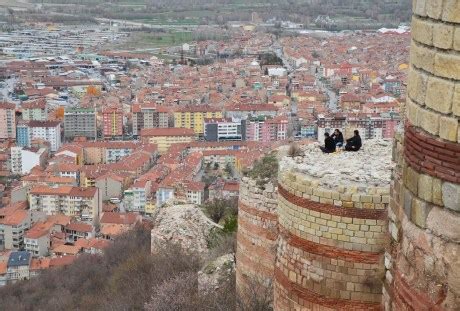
(23, 135)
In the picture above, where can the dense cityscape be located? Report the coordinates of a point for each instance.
(205, 134)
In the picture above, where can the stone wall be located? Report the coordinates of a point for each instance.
(330, 250)
(423, 258)
(256, 239)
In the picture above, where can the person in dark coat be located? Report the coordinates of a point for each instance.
(337, 136)
(329, 144)
(354, 143)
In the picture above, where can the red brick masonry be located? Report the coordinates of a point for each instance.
(330, 251)
(256, 212)
(437, 158)
(331, 209)
(407, 298)
(310, 296)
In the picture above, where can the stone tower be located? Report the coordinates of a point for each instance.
(332, 220)
(423, 258)
(256, 240)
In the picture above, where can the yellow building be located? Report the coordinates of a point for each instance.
(192, 117)
(150, 207)
(165, 137)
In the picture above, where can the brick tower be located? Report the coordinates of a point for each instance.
(423, 258)
(332, 220)
(256, 240)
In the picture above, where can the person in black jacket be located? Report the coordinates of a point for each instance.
(329, 144)
(354, 143)
(337, 136)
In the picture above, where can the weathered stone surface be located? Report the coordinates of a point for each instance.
(439, 94)
(425, 187)
(369, 167)
(434, 8)
(456, 99)
(451, 196)
(448, 128)
(444, 36)
(429, 121)
(419, 212)
(447, 65)
(422, 31)
(451, 12)
(444, 223)
(417, 82)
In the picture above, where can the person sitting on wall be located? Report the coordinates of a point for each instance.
(329, 144)
(337, 136)
(354, 143)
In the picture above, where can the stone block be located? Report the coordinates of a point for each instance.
(411, 180)
(419, 7)
(451, 12)
(425, 187)
(444, 36)
(456, 100)
(419, 212)
(439, 94)
(446, 65)
(456, 40)
(434, 8)
(412, 110)
(448, 128)
(416, 87)
(407, 202)
(422, 57)
(451, 196)
(366, 199)
(444, 223)
(429, 121)
(422, 31)
(437, 192)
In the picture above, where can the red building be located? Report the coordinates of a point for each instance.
(112, 122)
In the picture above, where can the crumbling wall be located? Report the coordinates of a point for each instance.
(330, 251)
(256, 239)
(423, 258)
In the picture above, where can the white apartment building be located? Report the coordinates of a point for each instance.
(23, 160)
(49, 131)
(83, 203)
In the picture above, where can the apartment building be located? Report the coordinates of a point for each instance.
(266, 129)
(224, 130)
(80, 122)
(83, 203)
(7, 120)
(49, 131)
(37, 240)
(18, 267)
(112, 122)
(13, 228)
(149, 116)
(23, 160)
(36, 110)
(164, 138)
(135, 198)
(192, 117)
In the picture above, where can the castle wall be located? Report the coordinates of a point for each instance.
(330, 251)
(423, 258)
(256, 238)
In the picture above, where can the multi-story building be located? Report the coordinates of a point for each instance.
(164, 138)
(192, 117)
(37, 240)
(83, 203)
(112, 122)
(149, 116)
(23, 160)
(80, 122)
(135, 198)
(7, 121)
(36, 110)
(13, 228)
(224, 130)
(49, 131)
(18, 267)
(265, 129)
